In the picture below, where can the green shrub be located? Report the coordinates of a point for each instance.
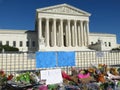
(8, 48)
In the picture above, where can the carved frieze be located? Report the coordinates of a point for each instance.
(64, 10)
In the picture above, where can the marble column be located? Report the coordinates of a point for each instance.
(82, 37)
(75, 31)
(84, 32)
(79, 35)
(69, 34)
(40, 27)
(47, 32)
(57, 33)
(59, 39)
(87, 32)
(73, 35)
(54, 32)
(61, 33)
(39, 32)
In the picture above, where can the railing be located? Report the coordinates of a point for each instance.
(17, 61)
(86, 58)
(25, 61)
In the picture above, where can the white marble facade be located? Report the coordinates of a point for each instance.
(62, 27)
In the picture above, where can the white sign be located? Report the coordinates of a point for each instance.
(100, 54)
(51, 76)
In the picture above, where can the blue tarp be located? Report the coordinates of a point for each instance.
(66, 59)
(54, 59)
(45, 59)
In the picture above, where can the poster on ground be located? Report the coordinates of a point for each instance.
(51, 76)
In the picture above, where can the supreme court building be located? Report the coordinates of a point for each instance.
(58, 28)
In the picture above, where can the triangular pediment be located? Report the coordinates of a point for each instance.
(64, 9)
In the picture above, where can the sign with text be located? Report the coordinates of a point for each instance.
(51, 76)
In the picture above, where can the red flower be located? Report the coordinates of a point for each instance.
(10, 77)
(2, 73)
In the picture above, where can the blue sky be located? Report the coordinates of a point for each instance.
(20, 14)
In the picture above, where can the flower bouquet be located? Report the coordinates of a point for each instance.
(4, 78)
